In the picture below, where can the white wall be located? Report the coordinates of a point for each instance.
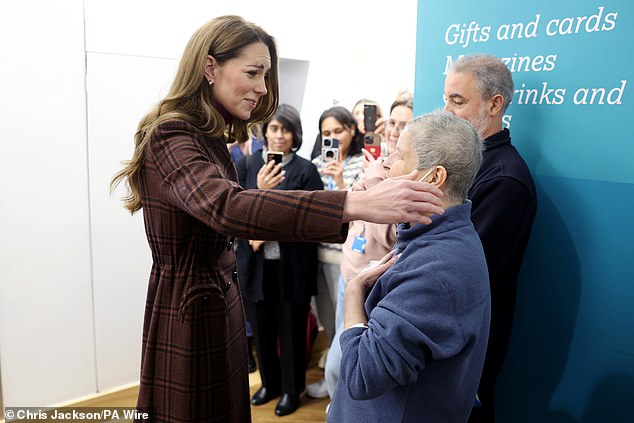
(75, 78)
(46, 309)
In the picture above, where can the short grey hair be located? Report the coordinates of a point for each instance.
(491, 75)
(442, 138)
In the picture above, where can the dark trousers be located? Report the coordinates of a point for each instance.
(279, 329)
(499, 338)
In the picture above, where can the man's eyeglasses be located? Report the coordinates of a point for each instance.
(392, 124)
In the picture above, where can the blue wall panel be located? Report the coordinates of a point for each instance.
(599, 59)
(571, 357)
(572, 351)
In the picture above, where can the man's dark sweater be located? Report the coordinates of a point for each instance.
(504, 207)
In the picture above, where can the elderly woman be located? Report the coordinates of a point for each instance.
(414, 340)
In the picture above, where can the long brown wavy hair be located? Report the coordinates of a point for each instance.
(191, 99)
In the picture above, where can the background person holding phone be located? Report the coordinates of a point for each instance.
(338, 123)
(358, 111)
(278, 279)
(334, 123)
(366, 241)
(401, 111)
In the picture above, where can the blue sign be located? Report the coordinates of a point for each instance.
(571, 357)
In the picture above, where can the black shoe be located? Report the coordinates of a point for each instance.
(288, 404)
(263, 395)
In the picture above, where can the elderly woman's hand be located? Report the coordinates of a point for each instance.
(367, 277)
(358, 287)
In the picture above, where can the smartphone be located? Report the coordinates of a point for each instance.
(275, 156)
(329, 150)
(369, 117)
(372, 143)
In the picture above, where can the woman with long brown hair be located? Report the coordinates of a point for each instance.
(194, 357)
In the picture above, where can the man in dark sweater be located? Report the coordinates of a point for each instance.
(479, 88)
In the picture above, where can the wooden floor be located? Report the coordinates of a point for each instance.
(310, 410)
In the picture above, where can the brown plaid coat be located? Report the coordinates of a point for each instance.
(194, 358)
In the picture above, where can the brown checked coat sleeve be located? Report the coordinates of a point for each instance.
(194, 358)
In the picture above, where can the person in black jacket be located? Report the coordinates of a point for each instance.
(278, 279)
(479, 88)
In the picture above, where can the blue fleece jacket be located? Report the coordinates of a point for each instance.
(421, 358)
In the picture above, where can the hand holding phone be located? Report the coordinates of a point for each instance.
(329, 150)
(271, 174)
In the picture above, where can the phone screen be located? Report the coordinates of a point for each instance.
(274, 156)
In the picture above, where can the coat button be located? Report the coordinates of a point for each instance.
(234, 276)
(230, 244)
